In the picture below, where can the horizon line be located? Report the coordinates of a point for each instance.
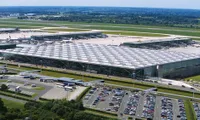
(107, 7)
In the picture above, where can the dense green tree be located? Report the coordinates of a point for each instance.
(52, 110)
(4, 87)
(3, 109)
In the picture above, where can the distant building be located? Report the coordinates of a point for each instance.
(68, 36)
(159, 43)
(7, 46)
(9, 30)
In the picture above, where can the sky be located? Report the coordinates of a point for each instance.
(190, 4)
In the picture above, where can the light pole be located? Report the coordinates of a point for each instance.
(193, 93)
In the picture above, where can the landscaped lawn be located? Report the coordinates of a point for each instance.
(65, 30)
(3, 80)
(39, 88)
(13, 104)
(194, 78)
(189, 110)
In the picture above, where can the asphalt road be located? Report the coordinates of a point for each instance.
(140, 106)
(123, 105)
(175, 109)
(38, 92)
(164, 93)
(157, 113)
(82, 72)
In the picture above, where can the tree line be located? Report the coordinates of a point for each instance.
(52, 110)
(117, 15)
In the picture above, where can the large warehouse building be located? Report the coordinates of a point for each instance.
(160, 43)
(8, 30)
(65, 36)
(110, 60)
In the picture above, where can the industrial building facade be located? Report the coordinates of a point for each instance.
(109, 60)
(65, 36)
(160, 43)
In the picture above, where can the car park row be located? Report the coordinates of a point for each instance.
(149, 106)
(167, 109)
(182, 111)
(197, 110)
(135, 104)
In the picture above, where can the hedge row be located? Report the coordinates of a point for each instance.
(17, 97)
(103, 117)
(103, 112)
(83, 94)
(8, 73)
(44, 99)
(18, 93)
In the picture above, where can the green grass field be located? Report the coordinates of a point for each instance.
(64, 30)
(39, 88)
(196, 39)
(57, 74)
(135, 29)
(20, 26)
(194, 78)
(3, 80)
(13, 104)
(189, 110)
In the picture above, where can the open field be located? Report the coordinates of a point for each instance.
(20, 26)
(196, 39)
(13, 104)
(64, 30)
(66, 23)
(134, 28)
(194, 78)
(26, 23)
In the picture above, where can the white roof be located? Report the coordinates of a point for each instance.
(160, 40)
(123, 57)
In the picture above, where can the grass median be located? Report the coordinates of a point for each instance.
(2, 81)
(65, 30)
(39, 88)
(101, 113)
(189, 109)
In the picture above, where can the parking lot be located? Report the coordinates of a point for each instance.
(47, 90)
(197, 110)
(135, 104)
